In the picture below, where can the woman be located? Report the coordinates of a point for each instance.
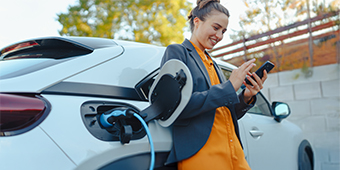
(205, 135)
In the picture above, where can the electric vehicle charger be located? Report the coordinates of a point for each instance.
(168, 96)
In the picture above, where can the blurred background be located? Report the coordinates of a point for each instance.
(302, 38)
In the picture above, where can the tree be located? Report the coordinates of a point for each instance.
(149, 21)
(265, 15)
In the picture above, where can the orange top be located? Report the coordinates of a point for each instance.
(222, 151)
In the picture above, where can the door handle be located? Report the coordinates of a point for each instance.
(256, 133)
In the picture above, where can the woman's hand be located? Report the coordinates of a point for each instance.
(238, 75)
(256, 86)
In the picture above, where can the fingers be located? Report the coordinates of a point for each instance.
(255, 85)
(265, 75)
(247, 65)
(258, 81)
(237, 75)
(250, 90)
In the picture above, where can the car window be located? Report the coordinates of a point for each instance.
(144, 86)
(226, 73)
(29, 56)
(261, 106)
(46, 48)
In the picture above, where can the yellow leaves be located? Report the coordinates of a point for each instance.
(64, 31)
(85, 28)
(297, 4)
(245, 3)
(293, 5)
(167, 22)
(151, 21)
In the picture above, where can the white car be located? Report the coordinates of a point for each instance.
(54, 90)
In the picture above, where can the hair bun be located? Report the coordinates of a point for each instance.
(202, 3)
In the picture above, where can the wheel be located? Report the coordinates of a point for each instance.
(306, 157)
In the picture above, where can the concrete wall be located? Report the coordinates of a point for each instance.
(315, 104)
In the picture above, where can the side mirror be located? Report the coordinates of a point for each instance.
(281, 110)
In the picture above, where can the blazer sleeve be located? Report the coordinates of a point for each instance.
(207, 100)
(241, 108)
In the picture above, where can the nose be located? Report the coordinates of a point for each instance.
(219, 35)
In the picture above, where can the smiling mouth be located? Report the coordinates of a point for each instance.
(213, 41)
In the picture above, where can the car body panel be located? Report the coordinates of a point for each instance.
(113, 72)
(84, 148)
(275, 142)
(32, 150)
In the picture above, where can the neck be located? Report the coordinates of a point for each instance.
(194, 40)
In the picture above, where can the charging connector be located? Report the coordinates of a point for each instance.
(108, 119)
(111, 117)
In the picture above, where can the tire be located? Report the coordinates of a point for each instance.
(305, 157)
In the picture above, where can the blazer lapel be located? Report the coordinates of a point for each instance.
(193, 53)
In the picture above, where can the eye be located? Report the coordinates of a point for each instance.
(215, 28)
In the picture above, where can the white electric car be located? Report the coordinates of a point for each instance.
(53, 91)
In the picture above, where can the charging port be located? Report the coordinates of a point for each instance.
(91, 112)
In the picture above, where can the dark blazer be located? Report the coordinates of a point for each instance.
(192, 128)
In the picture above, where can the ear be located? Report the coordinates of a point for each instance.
(196, 21)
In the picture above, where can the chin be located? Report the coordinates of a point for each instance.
(208, 46)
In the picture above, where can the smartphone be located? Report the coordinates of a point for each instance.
(266, 66)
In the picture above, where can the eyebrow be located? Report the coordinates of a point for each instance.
(220, 25)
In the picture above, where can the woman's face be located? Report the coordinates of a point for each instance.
(208, 33)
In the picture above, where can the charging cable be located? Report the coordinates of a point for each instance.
(152, 162)
(109, 118)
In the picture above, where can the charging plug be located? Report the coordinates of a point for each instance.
(125, 134)
(109, 118)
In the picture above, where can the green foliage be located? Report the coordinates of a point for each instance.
(149, 21)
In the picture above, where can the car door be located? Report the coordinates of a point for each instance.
(270, 144)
